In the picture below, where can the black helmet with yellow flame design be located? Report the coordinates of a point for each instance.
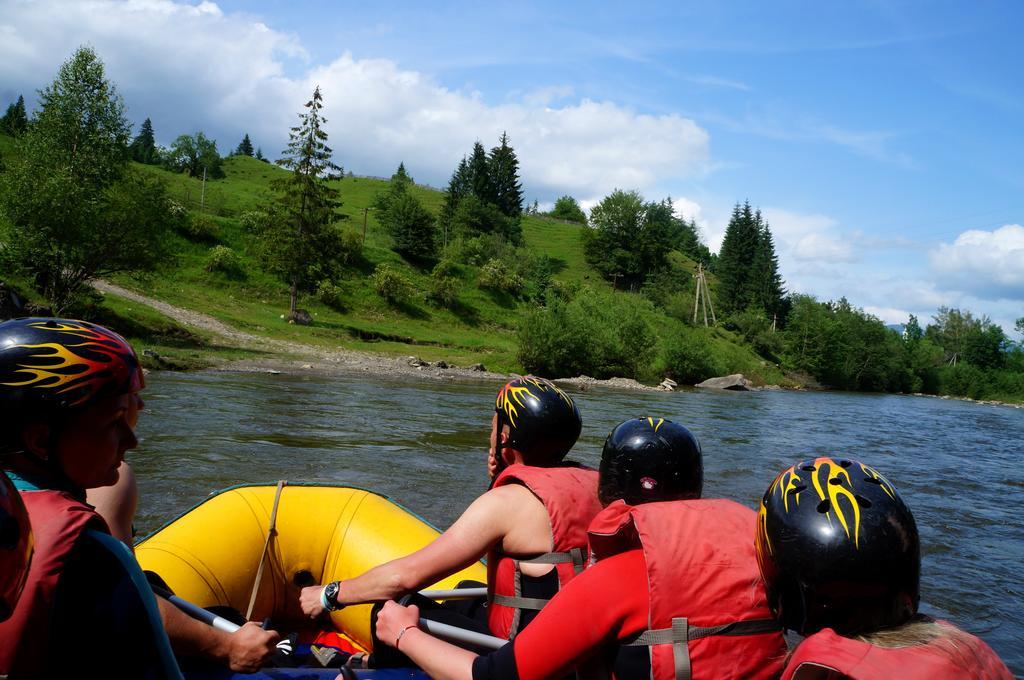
(838, 548)
(15, 546)
(650, 459)
(543, 420)
(52, 366)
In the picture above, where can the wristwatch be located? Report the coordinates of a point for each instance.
(329, 596)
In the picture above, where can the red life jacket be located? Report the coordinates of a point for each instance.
(570, 496)
(709, 615)
(58, 521)
(963, 656)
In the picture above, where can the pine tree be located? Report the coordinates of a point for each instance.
(480, 179)
(401, 176)
(143, 147)
(766, 287)
(15, 120)
(458, 188)
(244, 147)
(303, 241)
(504, 173)
(260, 156)
(736, 259)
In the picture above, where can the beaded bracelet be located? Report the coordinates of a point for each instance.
(402, 632)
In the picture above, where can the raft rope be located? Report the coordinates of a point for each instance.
(271, 531)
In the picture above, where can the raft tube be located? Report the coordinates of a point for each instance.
(210, 554)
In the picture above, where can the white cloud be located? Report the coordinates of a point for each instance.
(988, 264)
(191, 67)
(808, 238)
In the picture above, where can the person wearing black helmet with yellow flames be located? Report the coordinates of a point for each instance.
(841, 559)
(674, 592)
(69, 400)
(531, 524)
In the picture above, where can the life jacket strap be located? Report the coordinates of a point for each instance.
(681, 633)
(517, 602)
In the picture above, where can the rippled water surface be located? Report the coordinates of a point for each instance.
(957, 464)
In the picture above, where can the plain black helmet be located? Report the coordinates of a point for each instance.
(838, 548)
(650, 459)
(49, 367)
(543, 421)
(15, 546)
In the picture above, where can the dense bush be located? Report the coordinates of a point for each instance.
(199, 228)
(224, 260)
(444, 292)
(501, 276)
(392, 285)
(688, 356)
(330, 294)
(597, 334)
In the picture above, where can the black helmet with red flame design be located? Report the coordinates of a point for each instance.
(15, 546)
(543, 421)
(838, 548)
(650, 459)
(49, 367)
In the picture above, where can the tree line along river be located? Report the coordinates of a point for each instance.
(957, 464)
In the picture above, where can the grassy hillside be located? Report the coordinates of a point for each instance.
(480, 329)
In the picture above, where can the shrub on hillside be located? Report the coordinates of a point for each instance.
(756, 329)
(445, 268)
(199, 228)
(444, 292)
(499, 275)
(478, 250)
(253, 221)
(688, 357)
(598, 334)
(330, 294)
(224, 260)
(392, 285)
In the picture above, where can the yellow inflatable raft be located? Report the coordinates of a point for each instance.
(210, 555)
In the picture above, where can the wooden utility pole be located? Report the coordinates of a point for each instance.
(202, 198)
(702, 298)
(366, 211)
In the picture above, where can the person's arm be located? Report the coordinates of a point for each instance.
(244, 651)
(605, 603)
(483, 524)
(116, 504)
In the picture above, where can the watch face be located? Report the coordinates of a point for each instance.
(331, 592)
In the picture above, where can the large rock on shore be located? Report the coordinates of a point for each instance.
(736, 382)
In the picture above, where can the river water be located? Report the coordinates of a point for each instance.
(957, 464)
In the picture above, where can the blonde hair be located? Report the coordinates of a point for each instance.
(920, 630)
(923, 630)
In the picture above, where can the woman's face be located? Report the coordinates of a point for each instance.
(92, 444)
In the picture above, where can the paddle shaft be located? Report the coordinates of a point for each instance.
(197, 612)
(441, 630)
(455, 594)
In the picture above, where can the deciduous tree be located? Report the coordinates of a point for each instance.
(566, 208)
(192, 154)
(74, 207)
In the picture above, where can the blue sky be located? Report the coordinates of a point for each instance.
(882, 140)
